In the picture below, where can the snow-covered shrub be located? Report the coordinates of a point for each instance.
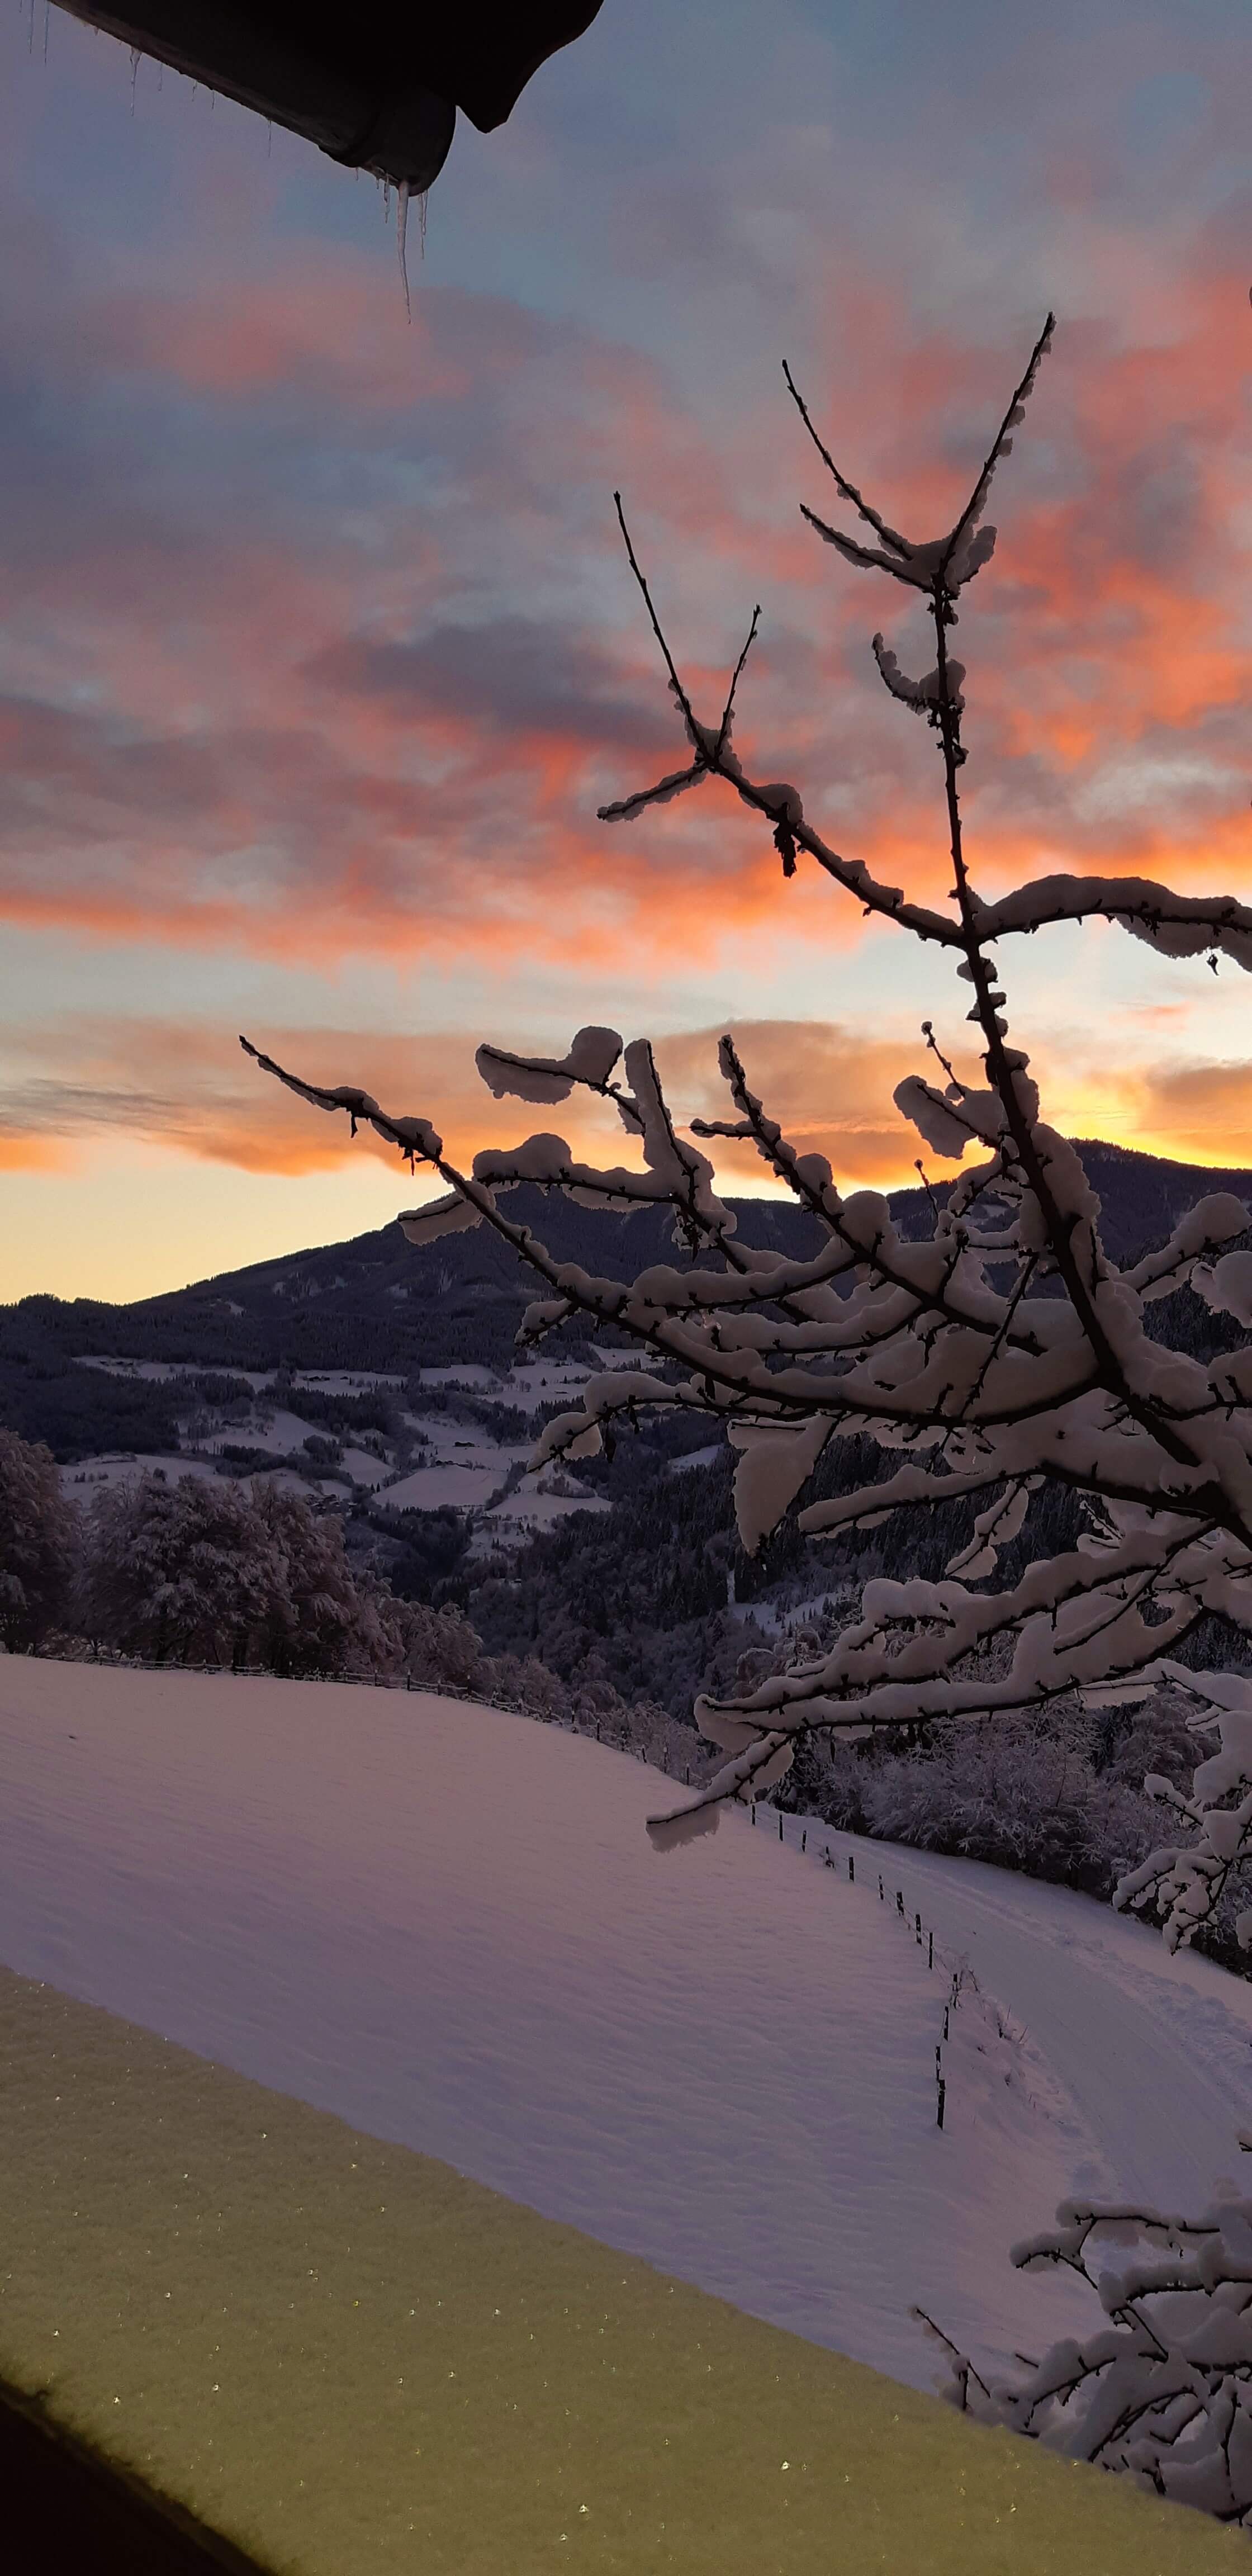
(1157, 1737)
(1002, 1359)
(203, 1570)
(1162, 2391)
(37, 1545)
(1020, 1792)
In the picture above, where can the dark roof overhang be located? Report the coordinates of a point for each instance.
(376, 86)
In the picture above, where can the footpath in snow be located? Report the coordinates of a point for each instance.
(447, 1925)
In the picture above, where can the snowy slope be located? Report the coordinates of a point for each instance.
(447, 1925)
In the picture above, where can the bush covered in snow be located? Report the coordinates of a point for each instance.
(1016, 1792)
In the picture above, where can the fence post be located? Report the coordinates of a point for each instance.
(918, 1921)
(687, 1774)
(942, 2094)
(804, 1839)
(945, 2021)
(780, 1830)
(851, 1866)
(881, 1899)
(932, 1950)
(900, 1903)
(754, 1811)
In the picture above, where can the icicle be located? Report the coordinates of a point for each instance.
(402, 229)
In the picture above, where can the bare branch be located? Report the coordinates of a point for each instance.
(847, 491)
(1001, 446)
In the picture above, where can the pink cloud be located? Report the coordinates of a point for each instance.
(343, 679)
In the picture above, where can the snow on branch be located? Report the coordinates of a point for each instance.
(589, 1061)
(1187, 1881)
(1176, 925)
(415, 1137)
(924, 694)
(942, 565)
(776, 801)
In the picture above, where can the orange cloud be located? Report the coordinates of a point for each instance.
(1202, 1113)
(344, 692)
(829, 1088)
(34, 1153)
(189, 1086)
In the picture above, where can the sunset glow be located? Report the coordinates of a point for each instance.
(320, 650)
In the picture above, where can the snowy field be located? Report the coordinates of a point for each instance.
(120, 1466)
(459, 1464)
(447, 1925)
(471, 1482)
(528, 1384)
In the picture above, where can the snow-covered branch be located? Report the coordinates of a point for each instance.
(1186, 1882)
(1006, 1351)
(1162, 2392)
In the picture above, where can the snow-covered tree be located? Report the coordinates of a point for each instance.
(319, 1616)
(37, 1545)
(203, 1570)
(1004, 1354)
(180, 1572)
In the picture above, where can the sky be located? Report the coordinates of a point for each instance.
(319, 648)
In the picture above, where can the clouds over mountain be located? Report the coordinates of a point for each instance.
(318, 646)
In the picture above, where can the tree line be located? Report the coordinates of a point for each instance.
(203, 1570)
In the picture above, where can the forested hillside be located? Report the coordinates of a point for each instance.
(380, 1303)
(649, 1592)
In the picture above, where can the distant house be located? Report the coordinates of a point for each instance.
(376, 86)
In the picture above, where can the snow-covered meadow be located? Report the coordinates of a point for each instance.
(447, 1925)
(460, 1463)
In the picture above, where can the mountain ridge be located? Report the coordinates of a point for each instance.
(376, 1301)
